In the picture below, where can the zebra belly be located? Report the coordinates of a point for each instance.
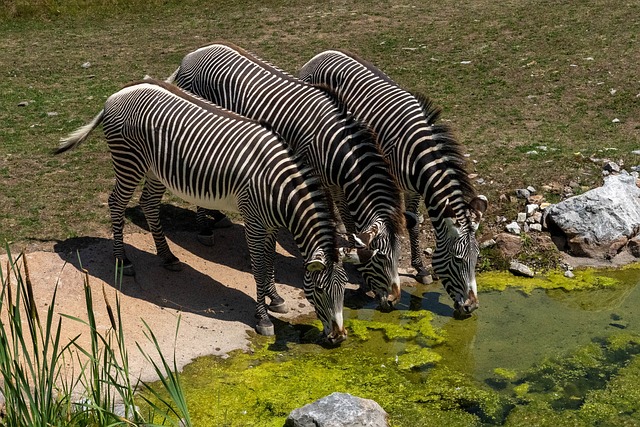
(227, 203)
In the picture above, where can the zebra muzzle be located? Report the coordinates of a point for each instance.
(337, 334)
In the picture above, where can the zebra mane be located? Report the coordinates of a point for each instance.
(369, 138)
(431, 111)
(451, 149)
(368, 65)
(256, 59)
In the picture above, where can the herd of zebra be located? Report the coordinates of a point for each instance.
(231, 132)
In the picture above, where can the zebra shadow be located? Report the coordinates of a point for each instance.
(229, 248)
(189, 290)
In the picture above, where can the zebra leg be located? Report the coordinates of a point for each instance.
(258, 240)
(118, 200)
(150, 202)
(413, 204)
(277, 304)
(205, 232)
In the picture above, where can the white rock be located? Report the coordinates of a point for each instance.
(513, 228)
(531, 209)
(535, 227)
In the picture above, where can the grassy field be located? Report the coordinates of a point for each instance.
(510, 76)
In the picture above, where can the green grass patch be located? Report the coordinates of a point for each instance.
(509, 76)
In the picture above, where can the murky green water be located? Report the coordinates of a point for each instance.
(528, 357)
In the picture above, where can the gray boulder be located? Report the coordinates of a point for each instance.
(339, 410)
(600, 222)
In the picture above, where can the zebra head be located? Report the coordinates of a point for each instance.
(376, 252)
(456, 255)
(324, 284)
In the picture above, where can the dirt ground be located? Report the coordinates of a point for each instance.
(214, 294)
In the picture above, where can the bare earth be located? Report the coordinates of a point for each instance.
(214, 294)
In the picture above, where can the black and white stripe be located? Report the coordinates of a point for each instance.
(219, 160)
(424, 158)
(339, 148)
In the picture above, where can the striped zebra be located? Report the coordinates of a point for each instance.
(424, 158)
(339, 149)
(219, 160)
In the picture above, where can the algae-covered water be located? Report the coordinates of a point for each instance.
(552, 351)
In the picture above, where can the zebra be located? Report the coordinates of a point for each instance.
(219, 160)
(340, 149)
(425, 159)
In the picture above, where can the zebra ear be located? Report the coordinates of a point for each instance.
(356, 256)
(478, 207)
(364, 239)
(451, 220)
(316, 263)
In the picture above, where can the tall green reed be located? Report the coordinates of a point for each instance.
(37, 386)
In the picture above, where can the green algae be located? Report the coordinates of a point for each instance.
(422, 368)
(584, 279)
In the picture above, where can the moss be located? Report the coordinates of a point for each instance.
(416, 356)
(424, 375)
(507, 374)
(584, 280)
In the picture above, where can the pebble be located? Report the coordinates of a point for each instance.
(535, 227)
(523, 193)
(519, 269)
(513, 228)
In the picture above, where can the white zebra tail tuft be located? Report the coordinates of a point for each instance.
(80, 134)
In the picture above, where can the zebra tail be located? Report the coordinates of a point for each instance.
(172, 77)
(80, 134)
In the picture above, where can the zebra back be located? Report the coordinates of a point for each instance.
(340, 149)
(424, 156)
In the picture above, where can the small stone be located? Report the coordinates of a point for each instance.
(487, 244)
(428, 251)
(23, 103)
(544, 205)
(513, 228)
(522, 217)
(535, 199)
(535, 227)
(52, 113)
(531, 209)
(86, 65)
(523, 193)
(536, 217)
(509, 244)
(611, 167)
(616, 120)
(569, 274)
(519, 269)
(503, 198)
(531, 189)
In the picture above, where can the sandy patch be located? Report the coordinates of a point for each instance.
(214, 294)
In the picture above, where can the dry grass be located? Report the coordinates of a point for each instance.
(510, 76)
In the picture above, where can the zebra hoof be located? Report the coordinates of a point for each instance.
(265, 327)
(424, 278)
(278, 307)
(206, 239)
(173, 265)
